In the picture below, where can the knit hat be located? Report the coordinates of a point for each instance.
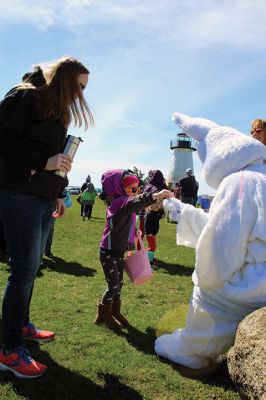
(129, 180)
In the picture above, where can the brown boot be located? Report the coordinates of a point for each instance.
(104, 317)
(117, 315)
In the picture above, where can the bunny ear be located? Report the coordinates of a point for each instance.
(197, 128)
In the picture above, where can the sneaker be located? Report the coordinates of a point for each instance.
(49, 254)
(21, 364)
(29, 332)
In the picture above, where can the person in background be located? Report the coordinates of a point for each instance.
(150, 218)
(122, 186)
(189, 188)
(258, 130)
(83, 187)
(33, 129)
(48, 247)
(177, 191)
(87, 198)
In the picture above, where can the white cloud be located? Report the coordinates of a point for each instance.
(187, 24)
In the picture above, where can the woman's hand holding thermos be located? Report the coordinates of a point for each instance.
(61, 162)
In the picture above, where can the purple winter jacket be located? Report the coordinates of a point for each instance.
(119, 231)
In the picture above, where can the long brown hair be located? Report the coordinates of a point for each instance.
(61, 97)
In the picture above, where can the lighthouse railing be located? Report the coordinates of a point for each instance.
(183, 143)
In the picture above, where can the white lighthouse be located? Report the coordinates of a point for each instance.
(183, 147)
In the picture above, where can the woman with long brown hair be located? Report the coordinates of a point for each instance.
(34, 117)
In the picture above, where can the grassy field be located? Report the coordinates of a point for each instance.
(90, 362)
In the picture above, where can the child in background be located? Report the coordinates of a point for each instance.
(122, 188)
(149, 219)
(87, 198)
(152, 218)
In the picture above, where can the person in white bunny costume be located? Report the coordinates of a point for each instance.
(230, 241)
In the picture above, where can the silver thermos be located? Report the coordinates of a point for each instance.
(70, 147)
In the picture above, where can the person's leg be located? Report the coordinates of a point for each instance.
(49, 241)
(85, 212)
(112, 273)
(152, 228)
(47, 224)
(22, 218)
(89, 212)
(117, 298)
(142, 230)
(104, 312)
(151, 239)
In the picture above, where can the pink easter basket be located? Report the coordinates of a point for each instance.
(137, 265)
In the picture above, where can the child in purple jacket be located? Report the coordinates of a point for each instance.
(121, 187)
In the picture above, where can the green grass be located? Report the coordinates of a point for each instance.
(90, 362)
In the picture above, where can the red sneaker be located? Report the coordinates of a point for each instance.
(21, 364)
(29, 332)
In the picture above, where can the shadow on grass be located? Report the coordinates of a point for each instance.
(63, 267)
(212, 376)
(143, 342)
(98, 218)
(59, 265)
(61, 383)
(173, 269)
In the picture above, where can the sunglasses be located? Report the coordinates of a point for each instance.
(82, 86)
(132, 190)
(256, 130)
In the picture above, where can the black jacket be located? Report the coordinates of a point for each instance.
(189, 187)
(26, 143)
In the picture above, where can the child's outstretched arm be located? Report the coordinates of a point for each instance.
(163, 194)
(134, 204)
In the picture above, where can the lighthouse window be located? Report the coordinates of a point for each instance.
(183, 143)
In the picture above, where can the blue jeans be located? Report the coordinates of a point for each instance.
(48, 246)
(26, 220)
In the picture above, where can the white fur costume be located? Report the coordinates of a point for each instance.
(230, 241)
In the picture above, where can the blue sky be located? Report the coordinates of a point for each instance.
(148, 59)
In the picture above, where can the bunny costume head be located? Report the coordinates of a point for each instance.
(221, 149)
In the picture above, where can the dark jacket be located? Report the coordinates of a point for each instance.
(26, 143)
(155, 183)
(189, 186)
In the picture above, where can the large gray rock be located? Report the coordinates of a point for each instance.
(247, 358)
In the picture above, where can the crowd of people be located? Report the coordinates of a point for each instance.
(34, 117)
